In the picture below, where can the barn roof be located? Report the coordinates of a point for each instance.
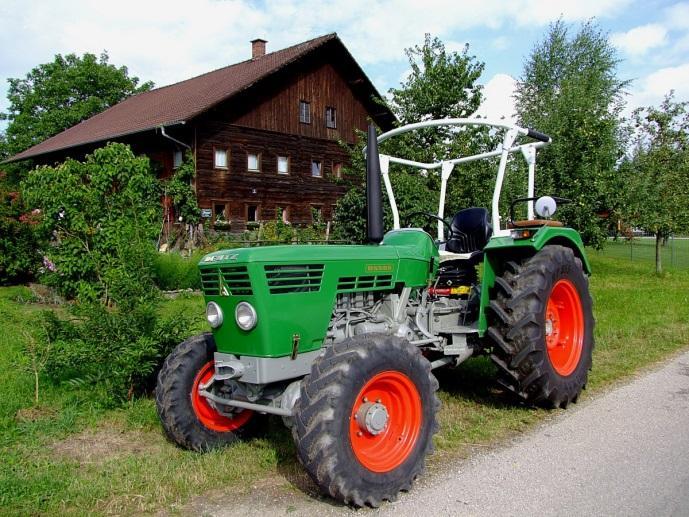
(185, 100)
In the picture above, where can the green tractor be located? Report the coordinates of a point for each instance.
(341, 341)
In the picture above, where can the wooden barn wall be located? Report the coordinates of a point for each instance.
(275, 106)
(238, 188)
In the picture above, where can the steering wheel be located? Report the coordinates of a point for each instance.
(429, 215)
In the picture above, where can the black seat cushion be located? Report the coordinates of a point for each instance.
(470, 231)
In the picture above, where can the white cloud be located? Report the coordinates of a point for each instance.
(500, 43)
(677, 16)
(652, 88)
(171, 40)
(498, 98)
(640, 40)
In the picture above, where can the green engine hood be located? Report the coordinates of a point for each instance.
(293, 288)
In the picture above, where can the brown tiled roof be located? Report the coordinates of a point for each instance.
(174, 103)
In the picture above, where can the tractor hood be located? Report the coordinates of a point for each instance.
(293, 288)
(410, 244)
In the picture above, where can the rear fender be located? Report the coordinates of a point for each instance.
(500, 250)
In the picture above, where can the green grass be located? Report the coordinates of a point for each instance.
(642, 249)
(69, 456)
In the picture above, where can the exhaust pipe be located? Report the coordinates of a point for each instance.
(374, 202)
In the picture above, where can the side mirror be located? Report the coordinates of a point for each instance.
(545, 207)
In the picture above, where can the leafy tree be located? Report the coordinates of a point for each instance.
(55, 96)
(104, 215)
(569, 89)
(658, 170)
(180, 190)
(441, 84)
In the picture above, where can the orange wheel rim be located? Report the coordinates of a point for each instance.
(206, 413)
(564, 327)
(385, 422)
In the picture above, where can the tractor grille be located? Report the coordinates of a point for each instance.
(352, 283)
(226, 281)
(294, 278)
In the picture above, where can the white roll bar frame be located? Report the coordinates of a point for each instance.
(447, 166)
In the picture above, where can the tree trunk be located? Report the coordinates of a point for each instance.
(659, 241)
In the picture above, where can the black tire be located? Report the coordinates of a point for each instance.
(325, 407)
(518, 328)
(174, 398)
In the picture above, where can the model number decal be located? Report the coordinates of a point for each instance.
(218, 258)
(378, 267)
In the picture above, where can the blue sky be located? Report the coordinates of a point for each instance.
(171, 40)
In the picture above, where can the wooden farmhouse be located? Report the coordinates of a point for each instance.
(265, 132)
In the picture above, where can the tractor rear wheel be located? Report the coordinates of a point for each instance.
(365, 418)
(541, 327)
(188, 418)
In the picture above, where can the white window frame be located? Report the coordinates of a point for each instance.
(286, 158)
(217, 150)
(258, 162)
(248, 211)
(328, 120)
(304, 115)
(177, 159)
(320, 168)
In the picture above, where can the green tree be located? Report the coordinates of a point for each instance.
(441, 84)
(180, 190)
(569, 89)
(104, 215)
(657, 171)
(57, 95)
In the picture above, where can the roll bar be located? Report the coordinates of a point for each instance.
(512, 132)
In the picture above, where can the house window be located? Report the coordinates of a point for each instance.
(330, 117)
(252, 214)
(220, 212)
(305, 112)
(337, 169)
(283, 165)
(316, 213)
(316, 168)
(283, 214)
(253, 162)
(220, 158)
(177, 158)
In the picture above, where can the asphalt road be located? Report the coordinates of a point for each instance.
(623, 453)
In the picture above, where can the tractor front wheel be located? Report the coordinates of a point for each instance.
(365, 418)
(541, 328)
(188, 418)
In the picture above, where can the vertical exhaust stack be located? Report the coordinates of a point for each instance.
(374, 202)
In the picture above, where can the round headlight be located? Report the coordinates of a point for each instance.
(214, 314)
(245, 315)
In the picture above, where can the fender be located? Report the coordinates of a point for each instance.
(498, 247)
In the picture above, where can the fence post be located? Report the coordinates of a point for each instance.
(672, 250)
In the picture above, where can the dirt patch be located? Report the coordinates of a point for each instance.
(33, 414)
(96, 446)
(271, 496)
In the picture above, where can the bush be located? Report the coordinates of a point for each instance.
(118, 351)
(104, 214)
(19, 243)
(173, 271)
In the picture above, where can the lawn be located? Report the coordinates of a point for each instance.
(67, 455)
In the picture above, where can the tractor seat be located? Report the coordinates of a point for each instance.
(470, 231)
(534, 222)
